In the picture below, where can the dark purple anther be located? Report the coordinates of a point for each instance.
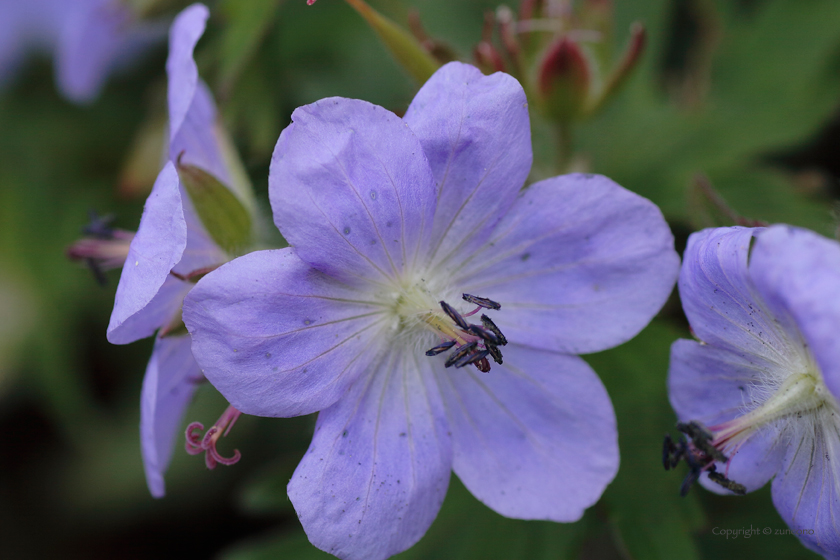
(481, 302)
(442, 347)
(454, 315)
(459, 353)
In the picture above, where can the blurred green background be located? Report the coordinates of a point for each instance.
(742, 93)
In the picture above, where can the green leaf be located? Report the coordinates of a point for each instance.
(770, 195)
(247, 25)
(467, 529)
(293, 545)
(771, 85)
(264, 492)
(406, 49)
(227, 220)
(635, 376)
(754, 511)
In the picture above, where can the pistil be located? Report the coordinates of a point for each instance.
(196, 444)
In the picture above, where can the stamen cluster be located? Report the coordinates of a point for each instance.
(700, 453)
(476, 342)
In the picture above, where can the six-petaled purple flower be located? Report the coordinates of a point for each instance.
(394, 223)
(762, 381)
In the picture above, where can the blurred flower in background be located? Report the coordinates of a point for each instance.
(88, 39)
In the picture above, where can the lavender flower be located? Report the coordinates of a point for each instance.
(763, 381)
(90, 39)
(171, 250)
(394, 223)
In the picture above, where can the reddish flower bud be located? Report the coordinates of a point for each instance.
(564, 79)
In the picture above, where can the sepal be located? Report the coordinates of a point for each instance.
(226, 219)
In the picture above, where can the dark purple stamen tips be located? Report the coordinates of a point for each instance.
(454, 315)
(475, 342)
(481, 302)
(702, 439)
(730, 485)
(671, 452)
(459, 353)
(471, 358)
(491, 326)
(495, 353)
(700, 456)
(484, 334)
(440, 348)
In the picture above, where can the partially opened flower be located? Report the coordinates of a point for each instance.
(762, 383)
(403, 231)
(185, 231)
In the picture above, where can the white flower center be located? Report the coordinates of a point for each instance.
(799, 393)
(421, 317)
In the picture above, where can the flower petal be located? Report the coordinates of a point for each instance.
(476, 133)
(192, 112)
(278, 338)
(798, 273)
(714, 385)
(723, 306)
(753, 465)
(534, 438)
(805, 492)
(579, 264)
(351, 189)
(147, 295)
(171, 379)
(377, 470)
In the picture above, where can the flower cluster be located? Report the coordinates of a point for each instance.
(760, 386)
(431, 309)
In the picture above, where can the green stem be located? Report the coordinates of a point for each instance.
(565, 147)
